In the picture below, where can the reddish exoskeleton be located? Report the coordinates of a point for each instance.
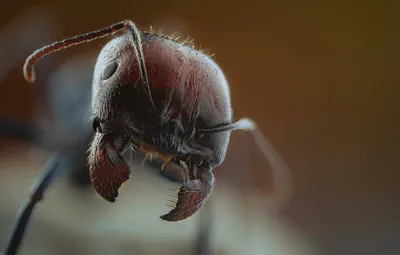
(167, 99)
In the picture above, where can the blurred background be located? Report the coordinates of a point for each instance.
(320, 79)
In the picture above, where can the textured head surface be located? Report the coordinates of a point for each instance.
(178, 74)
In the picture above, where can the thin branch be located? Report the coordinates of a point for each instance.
(48, 176)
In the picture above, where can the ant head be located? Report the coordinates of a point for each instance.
(116, 77)
(121, 95)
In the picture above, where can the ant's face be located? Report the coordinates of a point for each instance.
(119, 98)
(111, 78)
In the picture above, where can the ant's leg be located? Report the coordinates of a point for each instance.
(48, 176)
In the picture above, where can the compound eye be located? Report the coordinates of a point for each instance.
(109, 70)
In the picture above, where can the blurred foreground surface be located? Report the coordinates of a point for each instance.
(70, 221)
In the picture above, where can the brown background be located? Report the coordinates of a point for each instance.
(321, 79)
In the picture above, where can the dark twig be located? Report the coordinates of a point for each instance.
(51, 171)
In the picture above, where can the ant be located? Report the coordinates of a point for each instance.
(155, 94)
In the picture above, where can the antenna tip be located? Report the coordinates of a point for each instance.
(29, 72)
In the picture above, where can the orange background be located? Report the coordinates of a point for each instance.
(320, 79)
